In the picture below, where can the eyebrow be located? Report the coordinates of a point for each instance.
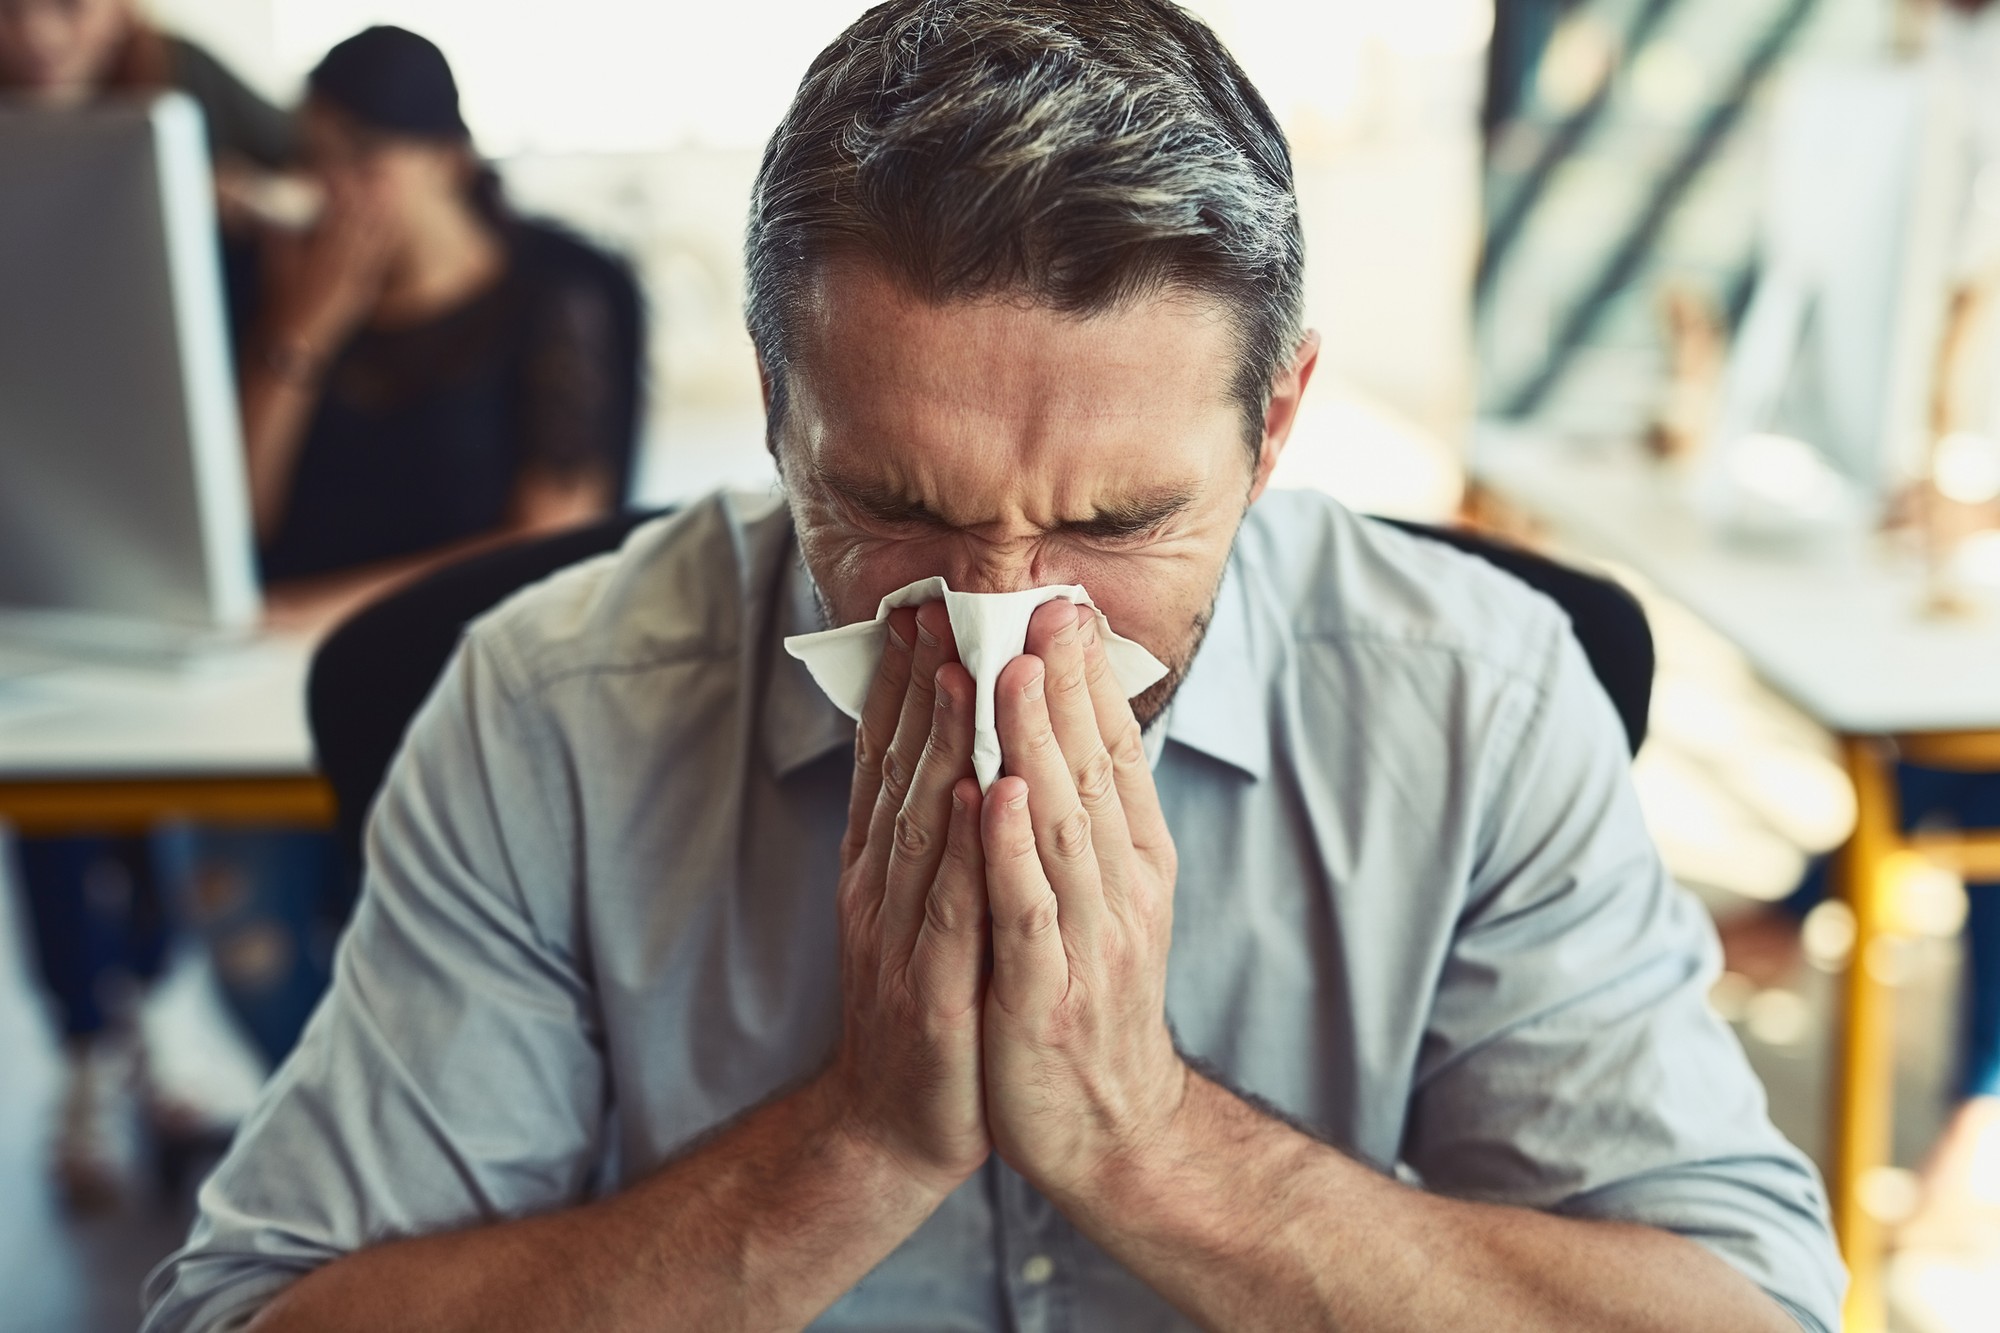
(885, 503)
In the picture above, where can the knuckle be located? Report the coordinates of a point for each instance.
(1070, 682)
(937, 750)
(1072, 835)
(895, 776)
(959, 855)
(1127, 748)
(1034, 920)
(912, 838)
(942, 911)
(1096, 777)
(1041, 743)
(1018, 844)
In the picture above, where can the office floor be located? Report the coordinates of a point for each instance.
(57, 1275)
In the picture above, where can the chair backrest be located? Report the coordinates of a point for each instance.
(371, 675)
(1607, 620)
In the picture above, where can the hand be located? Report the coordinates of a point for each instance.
(323, 284)
(912, 908)
(1081, 1071)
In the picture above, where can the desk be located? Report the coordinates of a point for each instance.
(111, 749)
(1840, 632)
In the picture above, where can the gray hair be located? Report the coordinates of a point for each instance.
(1081, 153)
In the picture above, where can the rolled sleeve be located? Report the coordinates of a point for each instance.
(453, 1075)
(1572, 1062)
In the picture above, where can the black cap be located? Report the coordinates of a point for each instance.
(393, 80)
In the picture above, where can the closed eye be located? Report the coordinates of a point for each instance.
(1120, 521)
(1130, 521)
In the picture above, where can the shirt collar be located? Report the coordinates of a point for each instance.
(1220, 709)
(800, 723)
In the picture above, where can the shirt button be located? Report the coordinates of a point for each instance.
(1038, 1269)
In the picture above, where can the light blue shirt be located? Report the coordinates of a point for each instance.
(1417, 911)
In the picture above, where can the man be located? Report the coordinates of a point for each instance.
(664, 1009)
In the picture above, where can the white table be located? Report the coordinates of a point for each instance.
(1840, 629)
(108, 748)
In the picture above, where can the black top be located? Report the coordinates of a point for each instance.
(423, 433)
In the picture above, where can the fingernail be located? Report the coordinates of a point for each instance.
(957, 802)
(1033, 689)
(928, 639)
(943, 698)
(896, 638)
(1018, 801)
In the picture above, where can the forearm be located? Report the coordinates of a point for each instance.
(761, 1228)
(1247, 1224)
(316, 604)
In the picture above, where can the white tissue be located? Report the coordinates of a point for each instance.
(991, 630)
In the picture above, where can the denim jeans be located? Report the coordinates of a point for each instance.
(104, 910)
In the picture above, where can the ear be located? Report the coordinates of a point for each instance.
(1288, 388)
(764, 392)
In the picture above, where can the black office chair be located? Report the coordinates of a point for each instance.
(1609, 622)
(373, 672)
(370, 676)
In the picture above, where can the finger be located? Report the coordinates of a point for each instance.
(1118, 726)
(1062, 827)
(876, 729)
(1056, 636)
(919, 832)
(1030, 966)
(913, 723)
(950, 950)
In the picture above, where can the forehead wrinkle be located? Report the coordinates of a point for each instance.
(846, 292)
(1004, 414)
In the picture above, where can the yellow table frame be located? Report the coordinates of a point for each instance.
(1864, 1087)
(133, 805)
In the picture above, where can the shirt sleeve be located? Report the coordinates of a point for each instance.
(454, 1074)
(1571, 1061)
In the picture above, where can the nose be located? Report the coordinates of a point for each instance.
(1004, 567)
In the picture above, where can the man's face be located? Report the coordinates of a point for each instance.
(1005, 445)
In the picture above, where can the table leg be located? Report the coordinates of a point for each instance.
(1864, 1099)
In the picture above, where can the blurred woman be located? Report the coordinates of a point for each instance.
(426, 374)
(95, 907)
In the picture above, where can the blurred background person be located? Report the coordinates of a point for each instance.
(426, 373)
(422, 374)
(98, 922)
